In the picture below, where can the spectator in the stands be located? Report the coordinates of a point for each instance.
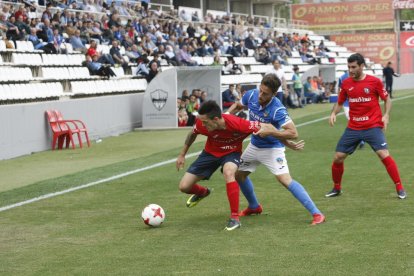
(228, 97)
(24, 29)
(76, 42)
(230, 67)
(190, 30)
(142, 69)
(37, 43)
(133, 54)
(102, 58)
(262, 55)
(97, 68)
(310, 94)
(115, 52)
(241, 50)
(57, 40)
(250, 42)
(153, 71)
(185, 58)
(170, 55)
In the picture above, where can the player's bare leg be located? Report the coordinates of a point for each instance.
(188, 185)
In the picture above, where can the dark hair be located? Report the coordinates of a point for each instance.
(211, 109)
(271, 81)
(356, 57)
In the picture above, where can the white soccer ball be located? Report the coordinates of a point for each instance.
(153, 215)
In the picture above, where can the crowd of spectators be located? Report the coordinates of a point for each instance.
(141, 33)
(188, 105)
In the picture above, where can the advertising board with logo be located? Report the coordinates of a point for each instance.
(378, 47)
(343, 16)
(407, 52)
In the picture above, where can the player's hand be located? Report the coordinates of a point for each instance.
(332, 119)
(265, 130)
(295, 145)
(180, 162)
(385, 120)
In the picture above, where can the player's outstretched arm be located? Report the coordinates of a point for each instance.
(187, 144)
(234, 108)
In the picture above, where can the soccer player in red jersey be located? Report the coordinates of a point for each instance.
(366, 122)
(225, 134)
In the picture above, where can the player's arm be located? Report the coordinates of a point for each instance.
(191, 136)
(294, 145)
(288, 131)
(236, 107)
(387, 109)
(337, 107)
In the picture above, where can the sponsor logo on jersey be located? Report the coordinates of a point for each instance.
(360, 119)
(360, 100)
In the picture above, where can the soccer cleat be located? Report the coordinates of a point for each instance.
(334, 192)
(249, 212)
(402, 194)
(318, 219)
(232, 224)
(195, 199)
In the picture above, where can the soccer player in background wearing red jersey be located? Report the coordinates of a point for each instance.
(225, 134)
(366, 122)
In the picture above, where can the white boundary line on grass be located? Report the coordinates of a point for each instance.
(18, 204)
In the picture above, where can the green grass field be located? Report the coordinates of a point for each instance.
(98, 230)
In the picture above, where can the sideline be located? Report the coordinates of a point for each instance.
(50, 195)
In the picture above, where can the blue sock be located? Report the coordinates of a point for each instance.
(300, 193)
(248, 191)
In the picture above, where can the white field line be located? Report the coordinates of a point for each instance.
(18, 204)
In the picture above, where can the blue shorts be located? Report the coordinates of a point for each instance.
(206, 164)
(351, 138)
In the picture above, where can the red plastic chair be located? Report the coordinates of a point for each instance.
(73, 126)
(59, 134)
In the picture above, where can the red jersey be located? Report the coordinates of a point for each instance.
(363, 96)
(224, 141)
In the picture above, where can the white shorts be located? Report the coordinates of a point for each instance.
(273, 158)
(346, 111)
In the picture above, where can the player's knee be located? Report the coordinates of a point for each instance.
(184, 187)
(339, 157)
(229, 175)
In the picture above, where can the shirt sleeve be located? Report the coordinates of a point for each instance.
(342, 96)
(281, 117)
(381, 90)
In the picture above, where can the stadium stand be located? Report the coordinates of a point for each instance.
(23, 65)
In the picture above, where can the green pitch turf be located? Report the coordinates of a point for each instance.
(98, 231)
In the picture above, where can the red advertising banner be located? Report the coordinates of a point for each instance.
(406, 52)
(378, 47)
(366, 15)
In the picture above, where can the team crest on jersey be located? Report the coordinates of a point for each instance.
(159, 98)
(279, 160)
(366, 90)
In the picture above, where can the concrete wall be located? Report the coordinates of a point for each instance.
(404, 82)
(24, 128)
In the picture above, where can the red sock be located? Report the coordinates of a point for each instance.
(233, 191)
(197, 190)
(337, 172)
(392, 170)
